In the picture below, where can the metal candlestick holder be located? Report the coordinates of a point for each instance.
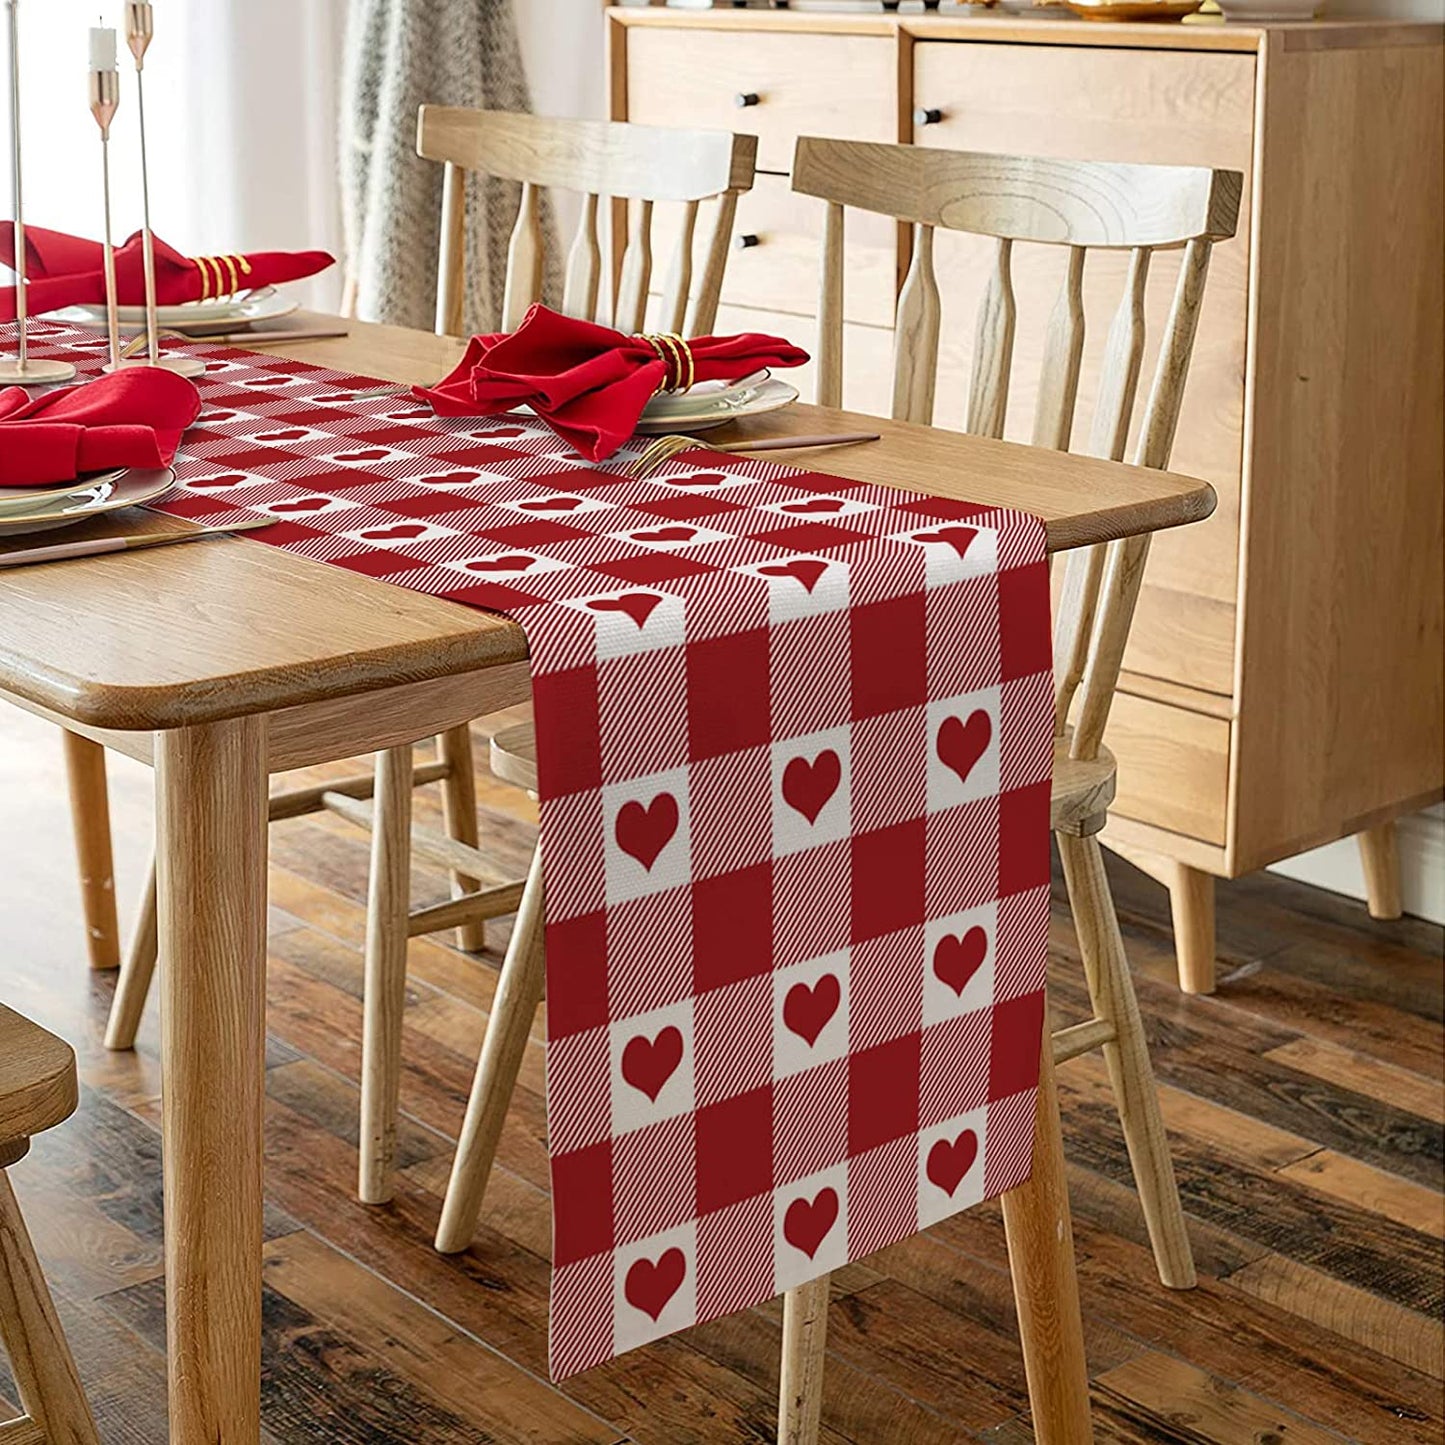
(104, 100)
(25, 369)
(139, 32)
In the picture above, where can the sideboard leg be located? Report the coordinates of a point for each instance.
(1380, 855)
(1191, 901)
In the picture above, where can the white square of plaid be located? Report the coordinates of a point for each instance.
(810, 1227)
(960, 963)
(646, 822)
(654, 1287)
(810, 1014)
(954, 550)
(951, 1171)
(804, 585)
(633, 619)
(651, 1066)
(820, 507)
(963, 759)
(502, 564)
(811, 790)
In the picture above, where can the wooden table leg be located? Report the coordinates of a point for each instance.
(90, 818)
(211, 860)
(1046, 1288)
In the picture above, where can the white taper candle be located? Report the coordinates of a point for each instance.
(102, 48)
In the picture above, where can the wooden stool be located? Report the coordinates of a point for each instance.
(37, 1091)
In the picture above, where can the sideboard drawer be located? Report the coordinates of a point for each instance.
(836, 85)
(1173, 767)
(1161, 107)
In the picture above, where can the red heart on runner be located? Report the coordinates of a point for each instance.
(231, 479)
(666, 534)
(807, 1222)
(368, 454)
(639, 606)
(956, 960)
(957, 537)
(647, 1064)
(808, 786)
(699, 479)
(807, 1010)
(817, 504)
(302, 504)
(501, 431)
(961, 744)
(645, 832)
(512, 562)
(948, 1163)
(269, 381)
(450, 479)
(407, 415)
(216, 416)
(395, 534)
(804, 570)
(551, 504)
(290, 434)
(649, 1286)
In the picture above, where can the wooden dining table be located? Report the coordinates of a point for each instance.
(224, 661)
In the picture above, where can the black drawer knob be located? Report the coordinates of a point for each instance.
(927, 117)
(745, 98)
(746, 241)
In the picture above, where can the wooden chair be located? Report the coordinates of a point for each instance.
(1082, 206)
(37, 1091)
(640, 165)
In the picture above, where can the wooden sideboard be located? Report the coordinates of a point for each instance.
(1284, 680)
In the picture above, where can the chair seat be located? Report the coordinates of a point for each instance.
(514, 756)
(37, 1078)
(1083, 787)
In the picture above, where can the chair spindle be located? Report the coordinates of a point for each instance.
(524, 261)
(584, 265)
(993, 348)
(679, 276)
(1063, 355)
(1123, 353)
(830, 310)
(703, 319)
(915, 334)
(631, 313)
(451, 264)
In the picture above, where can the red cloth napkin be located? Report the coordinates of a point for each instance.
(69, 271)
(131, 418)
(587, 382)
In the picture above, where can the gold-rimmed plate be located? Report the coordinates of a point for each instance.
(131, 488)
(1134, 10)
(25, 501)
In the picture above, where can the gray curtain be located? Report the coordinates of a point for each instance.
(401, 54)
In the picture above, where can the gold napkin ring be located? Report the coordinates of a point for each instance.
(231, 263)
(678, 369)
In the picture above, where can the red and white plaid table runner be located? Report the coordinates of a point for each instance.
(794, 744)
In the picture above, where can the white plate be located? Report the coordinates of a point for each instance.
(125, 489)
(263, 305)
(708, 406)
(26, 501)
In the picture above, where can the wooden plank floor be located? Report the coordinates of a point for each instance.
(1304, 1103)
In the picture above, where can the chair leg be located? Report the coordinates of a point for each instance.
(519, 990)
(90, 818)
(1106, 968)
(1046, 1287)
(1380, 856)
(805, 1341)
(129, 1002)
(459, 802)
(40, 1359)
(1191, 903)
(384, 1000)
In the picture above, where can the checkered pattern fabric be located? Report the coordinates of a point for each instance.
(794, 747)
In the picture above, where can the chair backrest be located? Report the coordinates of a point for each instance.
(633, 165)
(1081, 205)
